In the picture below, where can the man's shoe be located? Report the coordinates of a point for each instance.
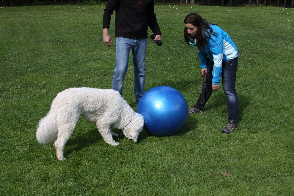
(229, 127)
(194, 109)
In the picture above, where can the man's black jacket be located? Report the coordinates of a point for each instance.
(132, 18)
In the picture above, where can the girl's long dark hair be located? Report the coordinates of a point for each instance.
(204, 30)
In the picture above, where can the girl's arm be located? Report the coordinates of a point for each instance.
(203, 59)
(216, 48)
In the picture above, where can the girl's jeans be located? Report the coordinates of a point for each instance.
(123, 48)
(229, 70)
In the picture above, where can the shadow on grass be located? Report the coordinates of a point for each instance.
(91, 137)
(180, 85)
(219, 100)
(82, 141)
(191, 124)
(244, 101)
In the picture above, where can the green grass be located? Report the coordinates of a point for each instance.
(46, 49)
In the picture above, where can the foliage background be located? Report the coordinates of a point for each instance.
(285, 3)
(46, 49)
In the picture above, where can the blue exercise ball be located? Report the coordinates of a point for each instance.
(164, 109)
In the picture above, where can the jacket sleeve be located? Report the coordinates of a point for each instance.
(216, 48)
(203, 59)
(152, 20)
(111, 5)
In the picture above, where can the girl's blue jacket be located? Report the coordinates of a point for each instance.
(220, 47)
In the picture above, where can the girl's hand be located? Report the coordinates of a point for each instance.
(215, 87)
(203, 71)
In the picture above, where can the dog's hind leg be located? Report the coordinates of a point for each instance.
(64, 132)
(106, 133)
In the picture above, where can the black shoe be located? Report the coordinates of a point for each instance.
(194, 109)
(230, 127)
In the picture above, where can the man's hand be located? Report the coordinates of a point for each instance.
(157, 39)
(106, 38)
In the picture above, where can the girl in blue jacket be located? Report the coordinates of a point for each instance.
(218, 56)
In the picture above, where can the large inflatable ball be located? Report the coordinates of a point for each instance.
(164, 109)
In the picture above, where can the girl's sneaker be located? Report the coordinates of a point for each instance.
(194, 109)
(230, 127)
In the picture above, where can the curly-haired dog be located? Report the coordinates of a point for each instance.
(104, 107)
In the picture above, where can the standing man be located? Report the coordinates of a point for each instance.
(131, 24)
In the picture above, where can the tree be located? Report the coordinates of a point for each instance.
(250, 2)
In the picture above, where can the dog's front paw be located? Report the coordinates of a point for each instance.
(59, 154)
(114, 144)
(61, 158)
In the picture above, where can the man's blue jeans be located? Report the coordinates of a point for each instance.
(229, 70)
(123, 49)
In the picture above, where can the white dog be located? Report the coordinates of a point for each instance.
(104, 107)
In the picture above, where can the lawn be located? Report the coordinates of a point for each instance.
(46, 49)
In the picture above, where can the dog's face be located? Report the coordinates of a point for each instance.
(133, 129)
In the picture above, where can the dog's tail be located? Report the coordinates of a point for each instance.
(47, 129)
